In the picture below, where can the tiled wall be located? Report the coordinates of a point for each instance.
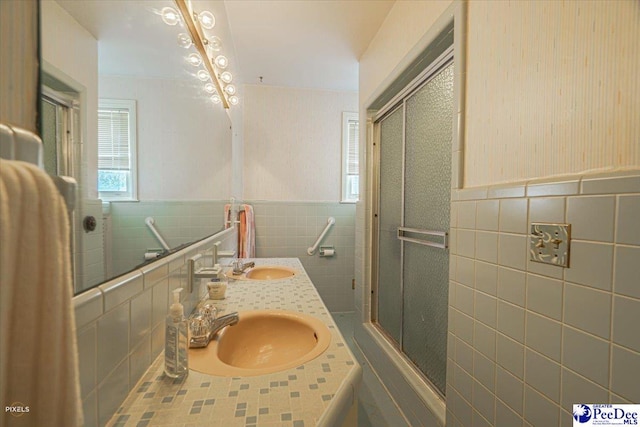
(177, 221)
(528, 340)
(92, 270)
(287, 229)
(120, 326)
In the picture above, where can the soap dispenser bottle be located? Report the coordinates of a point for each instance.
(176, 363)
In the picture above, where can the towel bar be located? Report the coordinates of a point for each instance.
(443, 234)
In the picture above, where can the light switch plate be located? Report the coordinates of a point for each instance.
(550, 243)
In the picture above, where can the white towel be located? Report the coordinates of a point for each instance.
(38, 351)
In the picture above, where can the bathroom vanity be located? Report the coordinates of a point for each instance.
(322, 391)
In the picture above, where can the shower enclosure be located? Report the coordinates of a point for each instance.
(413, 137)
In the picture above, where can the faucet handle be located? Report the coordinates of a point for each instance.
(209, 312)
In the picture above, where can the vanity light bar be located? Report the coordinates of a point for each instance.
(197, 37)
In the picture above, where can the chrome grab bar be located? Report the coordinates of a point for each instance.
(443, 234)
(150, 223)
(312, 249)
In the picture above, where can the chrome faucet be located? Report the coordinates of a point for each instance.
(239, 267)
(204, 325)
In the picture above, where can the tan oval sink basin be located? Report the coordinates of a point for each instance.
(266, 272)
(262, 342)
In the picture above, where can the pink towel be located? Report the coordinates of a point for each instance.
(248, 233)
(39, 360)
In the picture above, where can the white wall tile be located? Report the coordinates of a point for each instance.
(626, 318)
(140, 325)
(488, 215)
(576, 388)
(483, 401)
(511, 285)
(547, 209)
(590, 264)
(467, 215)
(486, 309)
(627, 270)
(487, 246)
(543, 374)
(464, 299)
(511, 320)
(544, 335)
(544, 296)
(586, 355)
(113, 339)
(113, 391)
(512, 250)
(505, 416)
(624, 363)
(464, 355)
(87, 356)
(628, 230)
(465, 272)
(591, 218)
(484, 340)
(588, 309)
(463, 382)
(510, 355)
(513, 216)
(509, 389)
(484, 370)
(466, 245)
(463, 327)
(538, 410)
(486, 277)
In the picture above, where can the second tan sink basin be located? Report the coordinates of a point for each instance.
(262, 342)
(266, 272)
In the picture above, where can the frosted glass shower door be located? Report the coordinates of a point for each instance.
(427, 189)
(390, 216)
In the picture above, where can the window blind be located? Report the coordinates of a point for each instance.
(352, 148)
(114, 146)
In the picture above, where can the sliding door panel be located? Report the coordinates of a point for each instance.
(389, 217)
(427, 189)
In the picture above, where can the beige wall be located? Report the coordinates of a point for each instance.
(18, 63)
(292, 143)
(552, 89)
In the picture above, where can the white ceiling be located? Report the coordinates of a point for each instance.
(308, 43)
(294, 43)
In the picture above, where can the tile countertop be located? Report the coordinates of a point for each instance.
(319, 392)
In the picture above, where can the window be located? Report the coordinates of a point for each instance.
(350, 168)
(117, 150)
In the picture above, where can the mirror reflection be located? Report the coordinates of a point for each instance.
(126, 115)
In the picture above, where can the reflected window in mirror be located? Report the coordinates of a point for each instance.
(350, 168)
(117, 150)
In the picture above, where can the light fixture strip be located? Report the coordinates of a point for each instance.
(193, 27)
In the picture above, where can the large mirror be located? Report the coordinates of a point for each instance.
(125, 114)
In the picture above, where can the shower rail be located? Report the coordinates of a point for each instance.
(443, 234)
(150, 223)
(312, 249)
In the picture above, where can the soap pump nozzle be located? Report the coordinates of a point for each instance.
(176, 310)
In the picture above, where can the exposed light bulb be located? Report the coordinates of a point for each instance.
(216, 99)
(170, 16)
(209, 87)
(230, 89)
(221, 61)
(184, 40)
(203, 75)
(214, 44)
(233, 100)
(207, 20)
(194, 59)
(226, 77)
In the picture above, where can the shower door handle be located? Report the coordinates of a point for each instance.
(443, 234)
